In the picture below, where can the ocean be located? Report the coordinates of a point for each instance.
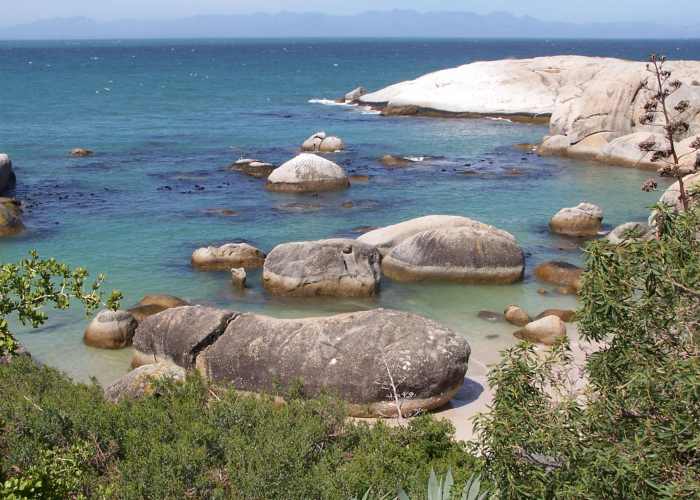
(166, 117)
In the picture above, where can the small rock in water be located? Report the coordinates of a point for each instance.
(359, 179)
(81, 152)
(348, 204)
(238, 277)
(516, 315)
(583, 220)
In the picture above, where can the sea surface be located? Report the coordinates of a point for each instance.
(165, 118)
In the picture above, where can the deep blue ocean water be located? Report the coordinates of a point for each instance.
(166, 117)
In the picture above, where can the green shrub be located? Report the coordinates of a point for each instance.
(634, 432)
(204, 442)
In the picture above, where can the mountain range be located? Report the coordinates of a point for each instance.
(394, 23)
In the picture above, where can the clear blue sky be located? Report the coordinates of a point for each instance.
(21, 11)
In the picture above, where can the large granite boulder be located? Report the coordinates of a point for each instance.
(110, 330)
(141, 382)
(593, 104)
(322, 143)
(10, 217)
(153, 304)
(349, 355)
(7, 175)
(335, 267)
(560, 273)
(466, 254)
(178, 334)
(386, 238)
(225, 257)
(307, 172)
(583, 220)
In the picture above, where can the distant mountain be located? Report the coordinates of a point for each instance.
(396, 23)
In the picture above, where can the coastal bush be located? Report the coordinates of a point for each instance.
(633, 431)
(32, 283)
(195, 440)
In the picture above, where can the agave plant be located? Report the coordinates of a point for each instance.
(440, 489)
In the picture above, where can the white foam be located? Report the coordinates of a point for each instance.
(329, 102)
(414, 158)
(499, 119)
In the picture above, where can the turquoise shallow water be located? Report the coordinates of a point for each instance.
(169, 114)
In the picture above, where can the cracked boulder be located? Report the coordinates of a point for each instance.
(353, 356)
(178, 334)
(307, 173)
(334, 267)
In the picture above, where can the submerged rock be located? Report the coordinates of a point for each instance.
(585, 219)
(141, 382)
(10, 217)
(335, 267)
(466, 254)
(350, 355)
(543, 331)
(322, 143)
(560, 273)
(7, 175)
(394, 161)
(227, 256)
(111, 330)
(307, 173)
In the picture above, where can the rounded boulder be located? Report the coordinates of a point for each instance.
(477, 254)
(560, 273)
(141, 382)
(516, 315)
(545, 331)
(585, 219)
(111, 330)
(225, 257)
(307, 173)
(334, 267)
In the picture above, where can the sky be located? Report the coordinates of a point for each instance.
(22, 11)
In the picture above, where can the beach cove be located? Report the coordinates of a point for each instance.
(158, 186)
